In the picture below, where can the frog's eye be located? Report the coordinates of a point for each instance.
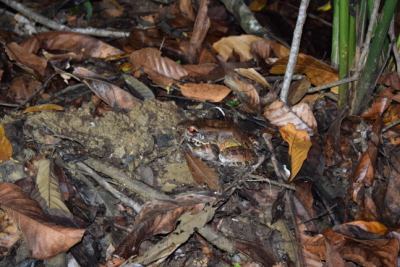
(192, 129)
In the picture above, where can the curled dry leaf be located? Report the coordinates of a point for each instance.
(26, 58)
(114, 96)
(299, 145)
(205, 91)
(300, 115)
(5, 146)
(43, 107)
(253, 75)
(45, 239)
(161, 70)
(238, 44)
(246, 92)
(201, 172)
(160, 217)
(69, 41)
(317, 72)
(263, 49)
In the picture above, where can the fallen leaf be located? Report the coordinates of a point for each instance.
(300, 115)
(253, 75)
(205, 91)
(5, 146)
(43, 107)
(201, 172)
(45, 239)
(161, 70)
(245, 91)
(25, 57)
(299, 145)
(9, 233)
(70, 41)
(238, 44)
(114, 96)
(160, 217)
(317, 72)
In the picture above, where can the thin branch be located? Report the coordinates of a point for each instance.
(59, 27)
(294, 51)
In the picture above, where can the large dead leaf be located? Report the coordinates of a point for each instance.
(253, 75)
(5, 146)
(205, 91)
(264, 48)
(201, 172)
(317, 72)
(161, 70)
(26, 58)
(160, 217)
(115, 97)
(69, 41)
(237, 44)
(47, 192)
(299, 145)
(45, 239)
(300, 115)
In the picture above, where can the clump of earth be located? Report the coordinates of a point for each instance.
(143, 141)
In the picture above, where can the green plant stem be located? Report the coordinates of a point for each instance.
(373, 66)
(344, 51)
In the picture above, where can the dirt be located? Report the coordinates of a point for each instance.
(143, 141)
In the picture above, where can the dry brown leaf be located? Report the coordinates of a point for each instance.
(186, 7)
(5, 146)
(160, 217)
(69, 41)
(205, 91)
(364, 174)
(300, 115)
(297, 90)
(246, 92)
(25, 57)
(115, 97)
(200, 29)
(299, 145)
(45, 239)
(317, 72)
(153, 64)
(253, 75)
(263, 49)
(238, 44)
(201, 172)
(43, 107)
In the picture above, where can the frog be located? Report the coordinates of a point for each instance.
(218, 141)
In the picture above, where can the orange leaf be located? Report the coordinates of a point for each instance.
(44, 107)
(372, 227)
(317, 72)
(299, 145)
(205, 91)
(5, 146)
(238, 44)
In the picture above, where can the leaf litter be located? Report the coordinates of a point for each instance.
(163, 205)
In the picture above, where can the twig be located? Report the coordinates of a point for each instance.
(126, 200)
(329, 85)
(294, 50)
(38, 90)
(59, 27)
(278, 170)
(319, 215)
(263, 179)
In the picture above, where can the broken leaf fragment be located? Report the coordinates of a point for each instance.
(5, 146)
(43, 107)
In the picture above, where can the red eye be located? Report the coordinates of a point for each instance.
(192, 129)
